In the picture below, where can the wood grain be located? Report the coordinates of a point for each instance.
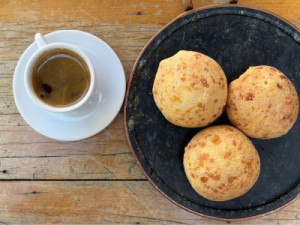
(95, 180)
(104, 202)
(26, 154)
(288, 10)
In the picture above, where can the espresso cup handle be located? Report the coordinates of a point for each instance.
(40, 40)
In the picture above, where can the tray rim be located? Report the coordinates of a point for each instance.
(126, 101)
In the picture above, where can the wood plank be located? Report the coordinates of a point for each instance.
(25, 154)
(104, 202)
(128, 12)
(288, 10)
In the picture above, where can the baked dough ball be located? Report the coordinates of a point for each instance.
(190, 89)
(221, 163)
(263, 103)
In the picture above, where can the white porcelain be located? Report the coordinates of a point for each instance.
(44, 46)
(99, 111)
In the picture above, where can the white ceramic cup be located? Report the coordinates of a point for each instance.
(43, 47)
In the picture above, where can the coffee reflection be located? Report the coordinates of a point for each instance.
(60, 78)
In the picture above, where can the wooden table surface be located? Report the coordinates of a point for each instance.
(95, 180)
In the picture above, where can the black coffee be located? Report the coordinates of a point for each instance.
(60, 78)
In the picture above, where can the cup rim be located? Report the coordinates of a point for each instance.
(28, 74)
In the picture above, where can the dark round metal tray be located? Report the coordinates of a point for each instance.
(236, 37)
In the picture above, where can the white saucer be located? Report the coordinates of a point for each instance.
(110, 81)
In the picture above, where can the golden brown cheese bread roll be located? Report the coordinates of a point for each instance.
(221, 163)
(262, 102)
(190, 89)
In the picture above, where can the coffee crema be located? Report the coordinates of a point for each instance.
(60, 78)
